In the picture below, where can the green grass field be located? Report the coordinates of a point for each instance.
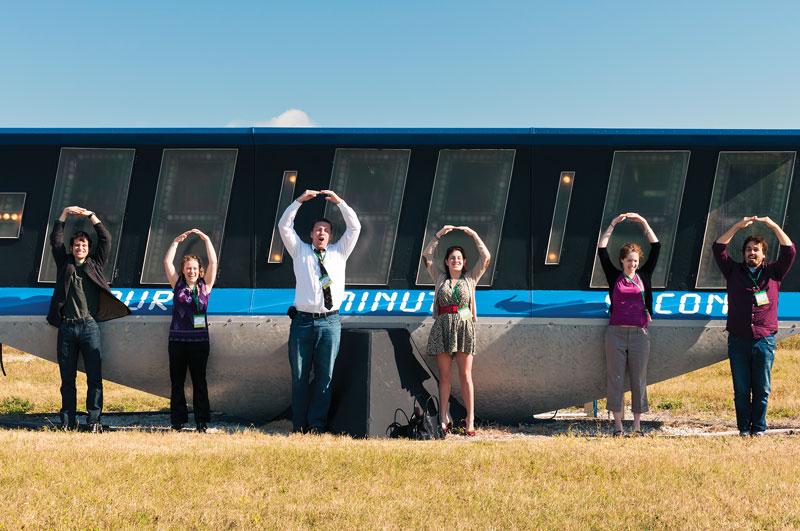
(252, 480)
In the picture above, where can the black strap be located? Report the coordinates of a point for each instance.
(1, 360)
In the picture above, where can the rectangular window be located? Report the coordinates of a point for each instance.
(11, 206)
(285, 199)
(470, 188)
(93, 178)
(649, 183)
(194, 188)
(745, 184)
(372, 181)
(559, 224)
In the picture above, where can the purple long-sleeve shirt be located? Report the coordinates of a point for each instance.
(745, 318)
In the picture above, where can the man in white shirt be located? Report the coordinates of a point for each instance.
(319, 272)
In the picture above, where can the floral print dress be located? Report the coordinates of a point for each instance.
(450, 333)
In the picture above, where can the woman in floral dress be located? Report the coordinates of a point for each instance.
(453, 332)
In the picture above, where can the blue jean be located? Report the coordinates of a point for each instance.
(751, 367)
(83, 338)
(312, 343)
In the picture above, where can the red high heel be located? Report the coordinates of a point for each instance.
(469, 433)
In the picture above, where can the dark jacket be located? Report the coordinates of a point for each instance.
(645, 273)
(109, 307)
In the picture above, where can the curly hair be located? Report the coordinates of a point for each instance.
(629, 248)
(757, 239)
(189, 258)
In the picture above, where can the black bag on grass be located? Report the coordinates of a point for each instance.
(423, 425)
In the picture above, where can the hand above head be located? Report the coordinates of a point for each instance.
(76, 211)
(331, 196)
(444, 230)
(466, 229)
(180, 237)
(746, 222)
(633, 216)
(308, 194)
(619, 219)
(783, 238)
(200, 233)
(767, 221)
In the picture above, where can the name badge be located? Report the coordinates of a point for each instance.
(761, 298)
(199, 321)
(464, 313)
(325, 280)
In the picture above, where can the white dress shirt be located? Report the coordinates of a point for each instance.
(308, 289)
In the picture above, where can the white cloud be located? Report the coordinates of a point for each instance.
(288, 118)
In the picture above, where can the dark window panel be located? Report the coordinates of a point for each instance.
(285, 199)
(470, 188)
(372, 181)
(194, 189)
(649, 183)
(97, 179)
(12, 204)
(745, 184)
(559, 224)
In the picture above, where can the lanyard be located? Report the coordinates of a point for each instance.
(758, 276)
(195, 299)
(320, 255)
(455, 288)
(635, 283)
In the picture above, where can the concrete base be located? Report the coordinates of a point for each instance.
(376, 372)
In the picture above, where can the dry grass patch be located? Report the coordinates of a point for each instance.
(708, 393)
(179, 481)
(32, 386)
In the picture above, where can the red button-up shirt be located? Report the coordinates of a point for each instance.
(745, 318)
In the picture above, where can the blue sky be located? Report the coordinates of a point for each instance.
(700, 64)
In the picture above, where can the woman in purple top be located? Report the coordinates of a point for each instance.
(627, 341)
(188, 333)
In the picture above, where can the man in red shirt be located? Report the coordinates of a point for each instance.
(753, 288)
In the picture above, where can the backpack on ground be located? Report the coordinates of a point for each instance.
(423, 425)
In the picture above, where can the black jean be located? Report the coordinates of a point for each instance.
(83, 338)
(194, 356)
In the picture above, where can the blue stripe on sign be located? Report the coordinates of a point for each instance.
(554, 304)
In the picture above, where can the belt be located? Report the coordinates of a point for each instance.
(319, 315)
(78, 320)
(448, 309)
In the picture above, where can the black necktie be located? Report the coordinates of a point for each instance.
(326, 291)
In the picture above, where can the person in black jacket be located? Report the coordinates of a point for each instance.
(627, 341)
(81, 298)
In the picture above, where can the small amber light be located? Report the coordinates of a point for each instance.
(552, 257)
(6, 216)
(14, 217)
(276, 258)
(292, 178)
(566, 179)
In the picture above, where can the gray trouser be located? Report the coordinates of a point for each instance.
(627, 346)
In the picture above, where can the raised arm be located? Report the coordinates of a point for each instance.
(726, 238)
(603, 243)
(210, 275)
(169, 259)
(648, 231)
(348, 240)
(291, 241)
(103, 249)
(427, 254)
(783, 239)
(484, 256)
(57, 235)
